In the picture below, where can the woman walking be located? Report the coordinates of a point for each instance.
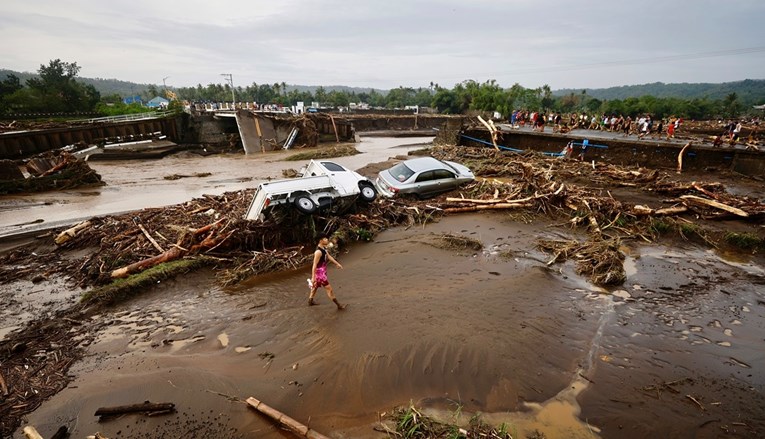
(319, 272)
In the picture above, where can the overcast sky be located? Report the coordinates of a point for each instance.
(386, 44)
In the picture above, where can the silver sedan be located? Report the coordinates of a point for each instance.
(423, 177)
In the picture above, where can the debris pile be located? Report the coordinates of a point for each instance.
(47, 171)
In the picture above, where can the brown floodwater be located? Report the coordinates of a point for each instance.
(495, 332)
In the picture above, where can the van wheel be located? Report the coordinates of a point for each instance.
(304, 204)
(367, 193)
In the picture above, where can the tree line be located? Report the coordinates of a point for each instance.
(55, 89)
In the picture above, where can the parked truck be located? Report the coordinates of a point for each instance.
(322, 184)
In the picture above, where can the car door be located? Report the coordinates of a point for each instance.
(443, 181)
(345, 181)
(424, 184)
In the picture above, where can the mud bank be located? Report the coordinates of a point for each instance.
(493, 331)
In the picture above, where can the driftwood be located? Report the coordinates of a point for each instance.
(151, 240)
(640, 210)
(3, 386)
(31, 433)
(292, 425)
(715, 204)
(478, 207)
(147, 406)
(70, 233)
(492, 131)
(170, 255)
(680, 157)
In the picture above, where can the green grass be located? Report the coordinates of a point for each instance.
(745, 241)
(659, 226)
(122, 289)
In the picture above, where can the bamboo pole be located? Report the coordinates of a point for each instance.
(715, 204)
(292, 425)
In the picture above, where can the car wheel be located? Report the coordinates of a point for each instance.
(367, 193)
(304, 204)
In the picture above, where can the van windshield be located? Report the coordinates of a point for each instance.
(401, 172)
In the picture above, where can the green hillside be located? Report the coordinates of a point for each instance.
(749, 91)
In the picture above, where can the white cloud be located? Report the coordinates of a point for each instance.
(387, 44)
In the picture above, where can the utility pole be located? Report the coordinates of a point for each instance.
(230, 79)
(164, 84)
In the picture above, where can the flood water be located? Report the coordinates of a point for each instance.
(495, 332)
(677, 351)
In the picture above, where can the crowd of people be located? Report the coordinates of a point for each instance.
(643, 126)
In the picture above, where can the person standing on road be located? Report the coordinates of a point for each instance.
(319, 272)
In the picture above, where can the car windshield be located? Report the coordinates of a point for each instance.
(451, 167)
(401, 172)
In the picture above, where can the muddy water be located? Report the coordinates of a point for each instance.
(138, 184)
(488, 331)
(494, 331)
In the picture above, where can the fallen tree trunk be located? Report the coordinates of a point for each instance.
(170, 255)
(291, 424)
(715, 204)
(485, 207)
(146, 406)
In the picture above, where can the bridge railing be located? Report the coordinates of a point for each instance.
(129, 117)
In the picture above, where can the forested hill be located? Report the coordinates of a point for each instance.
(104, 86)
(749, 91)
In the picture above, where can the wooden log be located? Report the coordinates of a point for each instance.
(680, 157)
(3, 385)
(63, 164)
(715, 204)
(704, 191)
(70, 233)
(31, 433)
(488, 127)
(146, 406)
(640, 210)
(292, 425)
(671, 210)
(478, 207)
(334, 126)
(149, 237)
(170, 255)
(471, 200)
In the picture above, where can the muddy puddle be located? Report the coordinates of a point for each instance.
(675, 352)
